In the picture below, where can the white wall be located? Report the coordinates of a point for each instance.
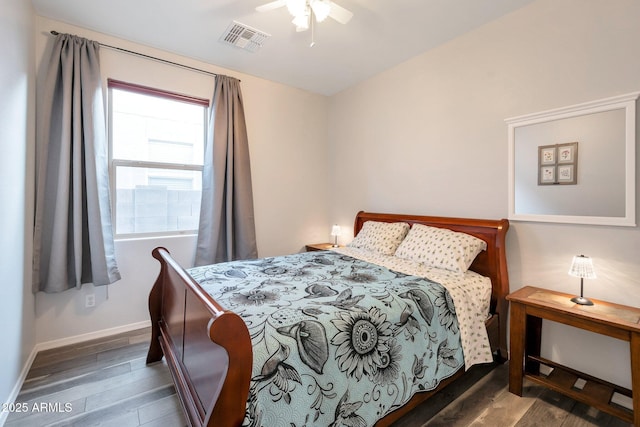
(16, 192)
(428, 137)
(287, 137)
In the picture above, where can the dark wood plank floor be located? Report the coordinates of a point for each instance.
(105, 382)
(102, 382)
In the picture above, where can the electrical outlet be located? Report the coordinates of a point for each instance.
(90, 300)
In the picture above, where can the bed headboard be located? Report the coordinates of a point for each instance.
(491, 263)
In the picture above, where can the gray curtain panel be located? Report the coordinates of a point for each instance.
(73, 237)
(227, 227)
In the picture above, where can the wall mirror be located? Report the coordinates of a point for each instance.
(575, 164)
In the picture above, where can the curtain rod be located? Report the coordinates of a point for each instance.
(131, 52)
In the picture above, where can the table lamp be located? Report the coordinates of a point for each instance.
(335, 232)
(582, 267)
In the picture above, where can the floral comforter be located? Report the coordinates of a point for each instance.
(337, 340)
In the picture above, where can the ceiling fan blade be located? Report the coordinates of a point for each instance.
(340, 14)
(270, 6)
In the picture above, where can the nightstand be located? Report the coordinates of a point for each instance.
(319, 247)
(530, 305)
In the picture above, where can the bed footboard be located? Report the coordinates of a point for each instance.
(208, 349)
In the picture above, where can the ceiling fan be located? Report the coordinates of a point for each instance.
(304, 10)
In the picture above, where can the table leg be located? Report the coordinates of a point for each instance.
(517, 336)
(532, 344)
(635, 376)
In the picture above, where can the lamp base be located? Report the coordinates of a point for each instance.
(582, 301)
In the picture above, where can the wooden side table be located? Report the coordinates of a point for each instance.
(319, 247)
(530, 305)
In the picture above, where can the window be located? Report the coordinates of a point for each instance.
(156, 153)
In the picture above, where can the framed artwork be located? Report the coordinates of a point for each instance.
(547, 155)
(558, 164)
(565, 174)
(547, 175)
(567, 153)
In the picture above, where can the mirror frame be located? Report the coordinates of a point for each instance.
(626, 102)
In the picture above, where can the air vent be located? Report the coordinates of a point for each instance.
(244, 37)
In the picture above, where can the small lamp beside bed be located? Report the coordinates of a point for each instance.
(335, 232)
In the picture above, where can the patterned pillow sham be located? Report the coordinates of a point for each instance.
(440, 248)
(383, 237)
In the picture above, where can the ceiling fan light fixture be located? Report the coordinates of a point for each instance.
(321, 9)
(306, 12)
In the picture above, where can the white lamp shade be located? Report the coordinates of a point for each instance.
(582, 266)
(321, 9)
(301, 21)
(335, 230)
(296, 7)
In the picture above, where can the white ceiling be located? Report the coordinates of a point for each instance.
(381, 34)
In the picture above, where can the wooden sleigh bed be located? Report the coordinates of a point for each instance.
(208, 348)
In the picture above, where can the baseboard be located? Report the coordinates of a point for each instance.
(48, 345)
(16, 389)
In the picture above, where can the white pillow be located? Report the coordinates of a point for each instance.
(383, 237)
(440, 248)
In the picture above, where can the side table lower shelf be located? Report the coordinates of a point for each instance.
(594, 392)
